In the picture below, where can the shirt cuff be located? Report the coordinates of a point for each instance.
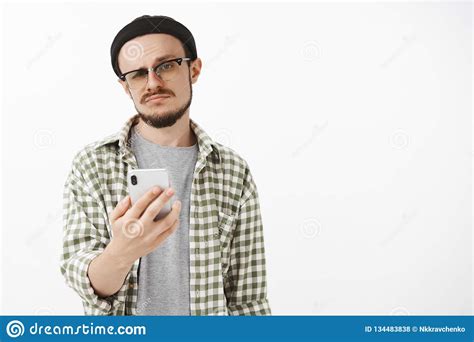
(256, 308)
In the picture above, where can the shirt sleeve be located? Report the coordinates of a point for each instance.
(245, 283)
(85, 236)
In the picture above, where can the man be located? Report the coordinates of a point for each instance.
(206, 256)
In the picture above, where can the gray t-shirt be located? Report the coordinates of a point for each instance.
(163, 274)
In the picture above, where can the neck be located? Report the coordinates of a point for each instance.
(178, 135)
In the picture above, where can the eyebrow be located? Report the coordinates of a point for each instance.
(159, 59)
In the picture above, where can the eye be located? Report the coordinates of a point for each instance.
(165, 66)
(138, 73)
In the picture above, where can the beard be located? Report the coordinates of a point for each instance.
(169, 118)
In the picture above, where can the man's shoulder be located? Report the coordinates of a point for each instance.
(229, 158)
(95, 151)
(106, 147)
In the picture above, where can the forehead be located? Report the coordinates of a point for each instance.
(142, 51)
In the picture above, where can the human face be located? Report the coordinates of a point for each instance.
(160, 102)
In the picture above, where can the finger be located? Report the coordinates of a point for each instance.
(142, 203)
(166, 233)
(120, 209)
(168, 221)
(157, 205)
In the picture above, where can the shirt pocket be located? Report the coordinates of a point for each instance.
(225, 228)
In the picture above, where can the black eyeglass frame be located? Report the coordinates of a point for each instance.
(155, 68)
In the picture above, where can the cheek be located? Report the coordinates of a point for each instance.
(182, 90)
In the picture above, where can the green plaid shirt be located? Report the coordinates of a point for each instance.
(227, 256)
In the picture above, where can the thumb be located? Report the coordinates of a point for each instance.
(120, 209)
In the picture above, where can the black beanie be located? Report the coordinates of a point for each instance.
(147, 24)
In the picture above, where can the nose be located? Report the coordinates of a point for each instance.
(154, 81)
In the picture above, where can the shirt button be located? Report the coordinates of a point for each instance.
(197, 250)
(216, 235)
(197, 293)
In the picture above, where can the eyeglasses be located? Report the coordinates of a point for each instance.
(167, 70)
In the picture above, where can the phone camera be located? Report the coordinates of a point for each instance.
(134, 180)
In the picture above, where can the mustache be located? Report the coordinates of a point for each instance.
(161, 92)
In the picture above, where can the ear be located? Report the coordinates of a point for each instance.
(196, 66)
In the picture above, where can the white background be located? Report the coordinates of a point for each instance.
(354, 118)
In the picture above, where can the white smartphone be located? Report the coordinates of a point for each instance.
(142, 180)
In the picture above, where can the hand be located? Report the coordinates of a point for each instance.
(135, 233)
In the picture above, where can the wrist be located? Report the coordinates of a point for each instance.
(116, 257)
